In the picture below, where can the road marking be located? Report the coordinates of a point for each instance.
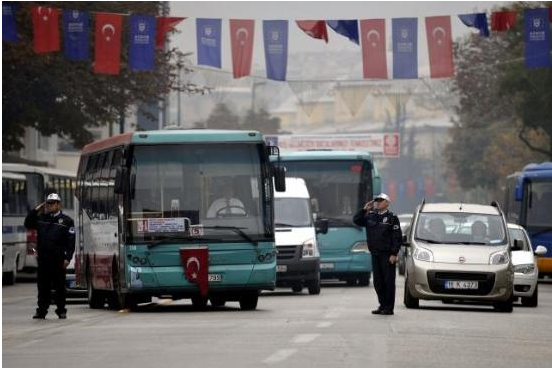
(280, 356)
(324, 324)
(304, 338)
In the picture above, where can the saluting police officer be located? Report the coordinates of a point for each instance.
(55, 247)
(384, 236)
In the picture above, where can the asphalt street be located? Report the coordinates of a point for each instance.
(334, 329)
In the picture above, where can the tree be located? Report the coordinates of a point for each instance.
(503, 108)
(222, 118)
(57, 96)
(262, 122)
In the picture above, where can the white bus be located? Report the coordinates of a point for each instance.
(23, 187)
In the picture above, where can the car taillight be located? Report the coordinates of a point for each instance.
(31, 242)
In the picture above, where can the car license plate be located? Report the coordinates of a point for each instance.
(214, 277)
(326, 266)
(281, 268)
(462, 285)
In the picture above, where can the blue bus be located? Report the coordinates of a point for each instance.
(144, 199)
(339, 182)
(528, 202)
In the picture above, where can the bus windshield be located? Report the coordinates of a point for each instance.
(198, 190)
(335, 187)
(538, 204)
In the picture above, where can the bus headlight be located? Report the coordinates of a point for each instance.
(360, 247)
(422, 254)
(310, 249)
(499, 258)
(524, 268)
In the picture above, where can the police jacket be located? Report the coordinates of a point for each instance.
(383, 231)
(55, 234)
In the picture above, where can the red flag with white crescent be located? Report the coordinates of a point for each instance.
(163, 26)
(503, 20)
(241, 39)
(45, 28)
(196, 267)
(107, 55)
(439, 42)
(374, 54)
(314, 28)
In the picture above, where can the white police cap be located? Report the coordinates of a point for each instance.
(382, 196)
(53, 197)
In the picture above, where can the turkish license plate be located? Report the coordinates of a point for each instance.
(281, 268)
(214, 277)
(326, 266)
(462, 285)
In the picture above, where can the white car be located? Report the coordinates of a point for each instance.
(526, 272)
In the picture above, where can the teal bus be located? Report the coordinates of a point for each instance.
(144, 197)
(339, 182)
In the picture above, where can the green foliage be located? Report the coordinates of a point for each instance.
(503, 108)
(223, 118)
(54, 95)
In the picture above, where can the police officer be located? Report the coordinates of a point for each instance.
(383, 232)
(55, 247)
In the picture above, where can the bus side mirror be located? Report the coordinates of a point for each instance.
(280, 178)
(118, 185)
(322, 226)
(541, 250)
(518, 193)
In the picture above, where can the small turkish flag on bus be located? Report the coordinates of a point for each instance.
(196, 267)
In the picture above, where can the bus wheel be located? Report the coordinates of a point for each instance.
(199, 302)
(314, 288)
(95, 298)
(248, 301)
(217, 301)
(364, 279)
(297, 288)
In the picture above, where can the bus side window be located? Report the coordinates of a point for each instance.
(113, 204)
(104, 193)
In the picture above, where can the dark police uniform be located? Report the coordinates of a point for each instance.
(383, 232)
(55, 244)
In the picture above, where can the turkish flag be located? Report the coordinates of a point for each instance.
(374, 55)
(314, 28)
(107, 55)
(196, 267)
(410, 188)
(392, 190)
(241, 39)
(46, 29)
(439, 43)
(163, 26)
(503, 21)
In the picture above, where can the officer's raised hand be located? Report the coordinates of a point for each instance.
(369, 205)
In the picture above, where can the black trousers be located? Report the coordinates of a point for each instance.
(51, 275)
(384, 280)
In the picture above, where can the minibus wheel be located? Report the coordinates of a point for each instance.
(217, 301)
(248, 301)
(199, 302)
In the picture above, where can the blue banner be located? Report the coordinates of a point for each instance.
(208, 42)
(76, 38)
(142, 42)
(536, 24)
(405, 48)
(476, 20)
(9, 30)
(347, 28)
(276, 48)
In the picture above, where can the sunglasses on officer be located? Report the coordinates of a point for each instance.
(379, 200)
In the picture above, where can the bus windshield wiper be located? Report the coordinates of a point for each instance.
(172, 238)
(237, 230)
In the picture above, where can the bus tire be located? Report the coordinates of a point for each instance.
(217, 301)
(364, 279)
(199, 302)
(314, 288)
(96, 299)
(352, 282)
(297, 288)
(248, 301)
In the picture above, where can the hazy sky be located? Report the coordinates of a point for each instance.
(298, 40)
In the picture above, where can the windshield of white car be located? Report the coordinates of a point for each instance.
(460, 228)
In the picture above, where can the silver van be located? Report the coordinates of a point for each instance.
(459, 252)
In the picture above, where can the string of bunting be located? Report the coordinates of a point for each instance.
(148, 33)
